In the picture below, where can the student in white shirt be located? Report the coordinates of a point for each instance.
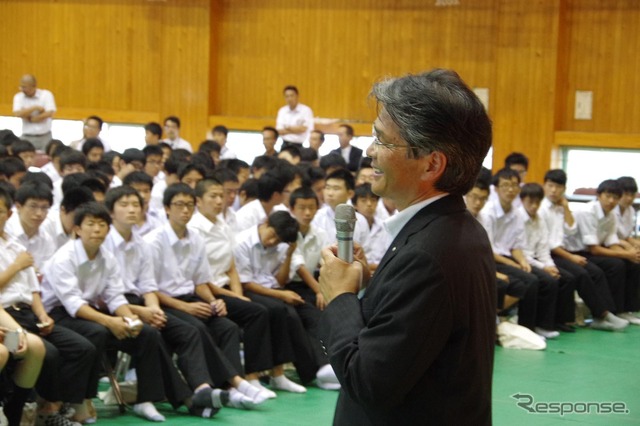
(366, 202)
(149, 218)
(271, 186)
(172, 131)
(263, 257)
(230, 186)
(183, 276)
(71, 162)
(591, 282)
(219, 134)
(59, 222)
(625, 213)
(83, 277)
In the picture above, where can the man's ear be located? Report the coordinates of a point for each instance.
(434, 165)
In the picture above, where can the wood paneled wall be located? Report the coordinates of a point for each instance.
(227, 60)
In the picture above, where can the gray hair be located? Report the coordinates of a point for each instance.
(436, 111)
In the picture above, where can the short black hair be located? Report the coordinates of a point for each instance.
(345, 176)
(91, 143)
(177, 189)
(628, 184)
(94, 184)
(210, 146)
(150, 150)
(75, 197)
(348, 128)
(19, 146)
(270, 183)
(291, 149)
(532, 190)
(312, 175)
(6, 197)
(290, 87)
(189, 167)
(271, 129)
(91, 209)
(40, 177)
(263, 162)
(133, 154)
(285, 225)
(302, 193)
(308, 155)
(516, 158)
(52, 145)
(154, 128)
(220, 129)
(235, 165)
(59, 149)
(506, 174)
(114, 194)
(225, 175)
(611, 186)
(73, 181)
(483, 180)
(173, 119)
(95, 118)
(557, 176)
(70, 157)
(332, 160)
(103, 167)
(250, 188)
(33, 190)
(204, 161)
(363, 191)
(11, 165)
(204, 185)
(138, 177)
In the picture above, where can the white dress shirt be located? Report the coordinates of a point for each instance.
(625, 222)
(227, 154)
(377, 243)
(52, 226)
(179, 143)
(301, 115)
(21, 286)
(308, 251)
(536, 249)
(151, 222)
(558, 229)
(50, 170)
(595, 228)
(229, 217)
(43, 98)
(41, 245)
(179, 264)
(72, 280)
(219, 242)
(325, 219)
(134, 260)
(250, 215)
(504, 229)
(254, 262)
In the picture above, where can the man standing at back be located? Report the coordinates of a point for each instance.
(418, 347)
(295, 120)
(35, 107)
(351, 154)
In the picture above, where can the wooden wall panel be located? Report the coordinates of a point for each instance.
(117, 55)
(603, 58)
(333, 50)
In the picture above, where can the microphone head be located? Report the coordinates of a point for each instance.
(345, 218)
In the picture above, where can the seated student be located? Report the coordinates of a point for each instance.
(93, 149)
(263, 265)
(248, 191)
(262, 164)
(12, 169)
(509, 292)
(225, 282)
(183, 276)
(136, 267)
(152, 133)
(598, 241)
(365, 173)
(505, 229)
(131, 160)
(314, 178)
(366, 203)
(271, 186)
(96, 185)
(290, 154)
(241, 170)
(332, 162)
(514, 161)
(33, 201)
(538, 254)
(37, 177)
(231, 186)
(59, 222)
(191, 174)
(25, 364)
(25, 151)
(82, 277)
(591, 282)
(219, 134)
(149, 219)
(339, 189)
(52, 168)
(625, 213)
(153, 162)
(212, 149)
(71, 162)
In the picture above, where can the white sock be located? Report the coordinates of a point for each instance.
(239, 400)
(282, 383)
(256, 384)
(148, 411)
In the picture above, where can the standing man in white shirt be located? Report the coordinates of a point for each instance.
(295, 120)
(172, 130)
(36, 108)
(219, 134)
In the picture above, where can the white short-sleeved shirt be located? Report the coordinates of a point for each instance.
(249, 215)
(504, 229)
(301, 115)
(157, 193)
(152, 221)
(179, 264)
(227, 154)
(595, 228)
(536, 249)
(43, 98)
(377, 242)
(308, 251)
(558, 229)
(229, 217)
(72, 280)
(219, 242)
(625, 222)
(134, 260)
(21, 286)
(178, 144)
(254, 262)
(52, 226)
(50, 170)
(41, 245)
(325, 219)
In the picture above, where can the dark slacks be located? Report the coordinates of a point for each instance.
(615, 271)
(310, 316)
(144, 349)
(68, 361)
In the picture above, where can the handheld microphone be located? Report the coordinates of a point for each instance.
(345, 225)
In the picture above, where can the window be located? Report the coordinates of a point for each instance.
(587, 167)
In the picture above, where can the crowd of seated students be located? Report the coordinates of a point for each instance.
(168, 254)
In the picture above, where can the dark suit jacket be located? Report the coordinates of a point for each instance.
(354, 157)
(418, 348)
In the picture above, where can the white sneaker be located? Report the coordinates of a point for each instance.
(616, 320)
(326, 378)
(547, 334)
(628, 316)
(604, 325)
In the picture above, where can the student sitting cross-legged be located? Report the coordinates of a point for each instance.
(83, 290)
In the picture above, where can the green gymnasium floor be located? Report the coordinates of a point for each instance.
(587, 366)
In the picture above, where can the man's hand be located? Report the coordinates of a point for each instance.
(524, 265)
(553, 271)
(337, 276)
(47, 323)
(119, 328)
(579, 260)
(23, 260)
(153, 316)
(320, 302)
(198, 309)
(219, 308)
(290, 297)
